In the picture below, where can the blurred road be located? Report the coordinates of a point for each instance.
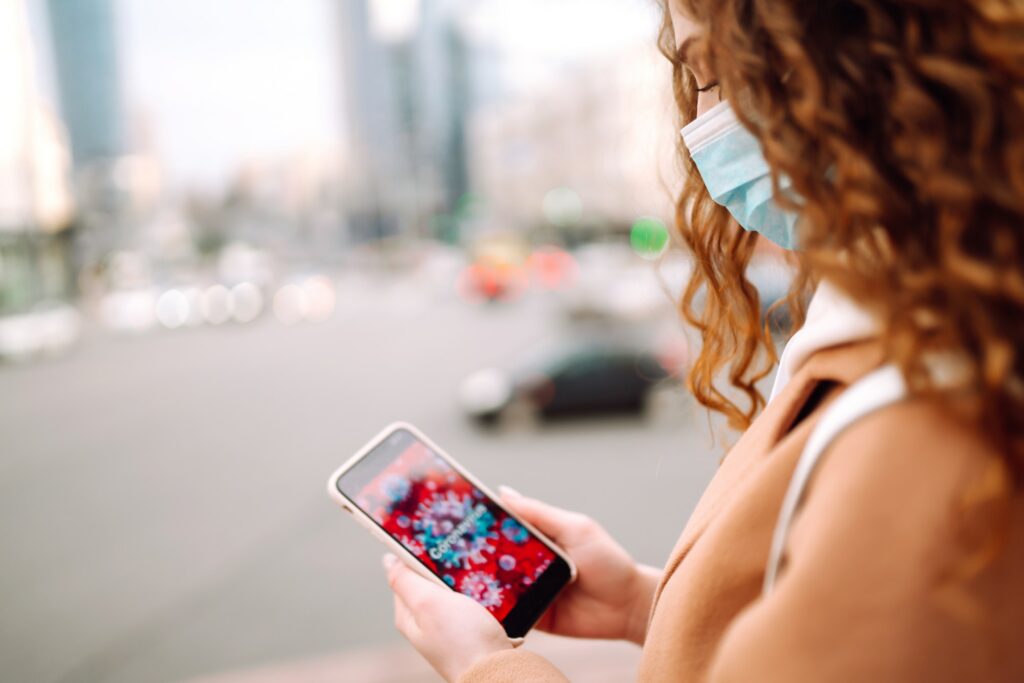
(162, 503)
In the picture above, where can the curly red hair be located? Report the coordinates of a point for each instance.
(900, 124)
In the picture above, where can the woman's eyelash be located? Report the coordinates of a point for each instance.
(710, 86)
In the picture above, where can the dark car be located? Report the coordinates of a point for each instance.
(581, 379)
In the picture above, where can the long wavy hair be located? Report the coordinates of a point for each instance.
(900, 124)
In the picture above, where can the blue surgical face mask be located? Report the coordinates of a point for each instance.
(736, 174)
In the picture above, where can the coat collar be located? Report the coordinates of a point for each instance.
(842, 364)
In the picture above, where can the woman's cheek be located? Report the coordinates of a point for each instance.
(707, 100)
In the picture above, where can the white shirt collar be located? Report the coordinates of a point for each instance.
(832, 319)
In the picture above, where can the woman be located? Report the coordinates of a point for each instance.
(886, 140)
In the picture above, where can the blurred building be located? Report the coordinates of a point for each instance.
(440, 72)
(35, 197)
(605, 137)
(288, 204)
(405, 93)
(85, 49)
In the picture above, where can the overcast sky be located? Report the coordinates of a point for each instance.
(221, 81)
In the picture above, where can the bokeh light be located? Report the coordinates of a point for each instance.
(290, 304)
(216, 304)
(490, 280)
(649, 237)
(320, 298)
(193, 295)
(247, 300)
(172, 309)
(552, 267)
(563, 207)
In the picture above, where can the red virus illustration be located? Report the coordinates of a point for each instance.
(456, 530)
(483, 588)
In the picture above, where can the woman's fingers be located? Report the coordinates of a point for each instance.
(405, 622)
(450, 629)
(562, 526)
(409, 587)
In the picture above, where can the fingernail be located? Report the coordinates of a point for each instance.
(509, 492)
(388, 560)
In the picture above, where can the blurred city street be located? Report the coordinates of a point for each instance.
(163, 512)
(239, 238)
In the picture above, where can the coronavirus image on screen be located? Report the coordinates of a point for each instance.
(454, 529)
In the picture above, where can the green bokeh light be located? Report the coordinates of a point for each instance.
(649, 237)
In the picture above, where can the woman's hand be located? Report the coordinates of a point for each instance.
(450, 630)
(611, 597)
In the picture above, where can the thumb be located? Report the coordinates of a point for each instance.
(558, 524)
(407, 584)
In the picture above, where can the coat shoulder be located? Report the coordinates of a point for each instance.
(888, 572)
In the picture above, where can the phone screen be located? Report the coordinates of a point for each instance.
(455, 530)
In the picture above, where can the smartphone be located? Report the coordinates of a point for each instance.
(445, 524)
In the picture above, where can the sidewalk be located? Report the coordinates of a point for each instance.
(590, 661)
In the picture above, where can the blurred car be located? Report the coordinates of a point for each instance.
(585, 378)
(488, 280)
(497, 269)
(51, 328)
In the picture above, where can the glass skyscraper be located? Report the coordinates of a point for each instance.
(88, 79)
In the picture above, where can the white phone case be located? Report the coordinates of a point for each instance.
(394, 546)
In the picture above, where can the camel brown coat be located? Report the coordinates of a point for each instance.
(874, 585)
